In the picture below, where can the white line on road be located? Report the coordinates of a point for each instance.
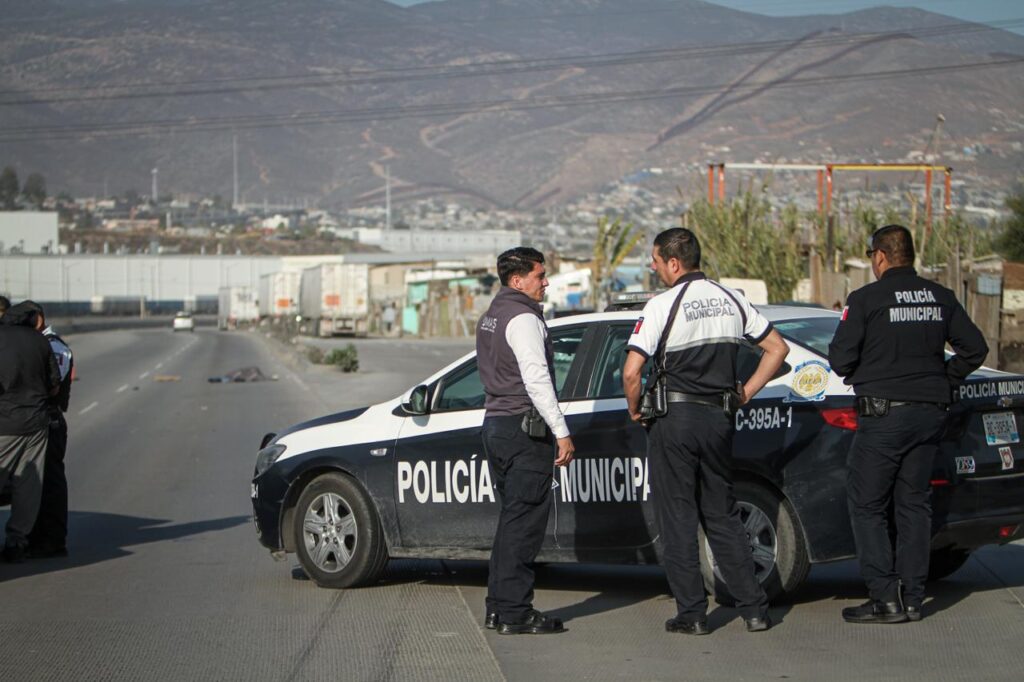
(144, 375)
(123, 389)
(159, 365)
(89, 407)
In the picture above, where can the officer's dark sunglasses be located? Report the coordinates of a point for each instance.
(870, 252)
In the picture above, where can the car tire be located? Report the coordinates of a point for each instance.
(777, 528)
(338, 535)
(945, 562)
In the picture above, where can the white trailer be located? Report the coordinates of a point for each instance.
(236, 306)
(279, 294)
(335, 298)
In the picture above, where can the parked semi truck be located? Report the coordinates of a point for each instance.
(279, 294)
(236, 306)
(335, 298)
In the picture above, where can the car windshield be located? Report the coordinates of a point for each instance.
(814, 332)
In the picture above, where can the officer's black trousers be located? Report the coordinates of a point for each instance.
(690, 459)
(51, 527)
(521, 469)
(891, 461)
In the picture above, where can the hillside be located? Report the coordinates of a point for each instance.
(499, 102)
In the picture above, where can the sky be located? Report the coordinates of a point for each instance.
(971, 10)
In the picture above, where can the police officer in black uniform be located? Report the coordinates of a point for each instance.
(522, 424)
(49, 535)
(690, 448)
(890, 346)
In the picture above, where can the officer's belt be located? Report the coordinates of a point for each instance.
(897, 403)
(710, 400)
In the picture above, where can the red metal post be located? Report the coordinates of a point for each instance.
(711, 184)
(821, 190)
(721, 182)
(947, 200)
(928, 199)
(828, 192)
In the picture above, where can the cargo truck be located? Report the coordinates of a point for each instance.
(335, 299)
(279, 294)
(236, 306)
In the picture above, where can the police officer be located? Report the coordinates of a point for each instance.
(690, 448)
(516, 363)
(890, 346)
(49, 535)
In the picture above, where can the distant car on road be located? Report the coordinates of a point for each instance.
(408, 477)
(183, 322)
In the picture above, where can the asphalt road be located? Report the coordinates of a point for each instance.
(166, 580)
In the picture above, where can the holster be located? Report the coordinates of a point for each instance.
(730, 403)
(654, 401)
(534, 425)
(872, 407)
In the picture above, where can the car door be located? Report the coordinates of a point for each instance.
(601, 501)
(445, 495)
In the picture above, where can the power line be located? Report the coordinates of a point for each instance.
(447, 71)
(188, 125)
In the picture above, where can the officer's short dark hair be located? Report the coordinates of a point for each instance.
(518, 261)
(23, 314)
(681, 244)
(896, 242)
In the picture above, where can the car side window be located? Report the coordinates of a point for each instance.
(462, 389)
(608, 377)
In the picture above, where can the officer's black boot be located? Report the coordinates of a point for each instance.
(535, 623)
(873, 611)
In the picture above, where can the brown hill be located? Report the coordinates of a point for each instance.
(501, 102)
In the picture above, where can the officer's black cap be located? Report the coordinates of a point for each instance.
(22, 314)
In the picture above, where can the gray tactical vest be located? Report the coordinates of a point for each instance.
(499, 371)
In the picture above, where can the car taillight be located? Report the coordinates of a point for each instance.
(841, 418)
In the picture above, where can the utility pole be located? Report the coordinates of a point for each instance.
(234, 153)
(154, 194)
(387, 198)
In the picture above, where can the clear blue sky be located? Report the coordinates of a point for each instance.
(972, 10)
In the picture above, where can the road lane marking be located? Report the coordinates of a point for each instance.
(89, 407)
(159, 365)
(144, 375)
(123, 389)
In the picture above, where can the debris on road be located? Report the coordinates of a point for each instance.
(243, 375)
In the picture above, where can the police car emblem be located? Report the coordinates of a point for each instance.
(810, 379)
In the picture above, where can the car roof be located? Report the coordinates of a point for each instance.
(773, 313)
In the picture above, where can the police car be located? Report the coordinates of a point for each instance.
(408, 477)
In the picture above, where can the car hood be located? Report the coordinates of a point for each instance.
(372, 424)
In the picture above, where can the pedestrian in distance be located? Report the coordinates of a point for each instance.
(524, 437)
(890, 346)
(693, 332)
(29, 377)
(49, 535)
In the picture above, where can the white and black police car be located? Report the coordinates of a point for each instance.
(408, 477)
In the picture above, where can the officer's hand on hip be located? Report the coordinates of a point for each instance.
(565, 450)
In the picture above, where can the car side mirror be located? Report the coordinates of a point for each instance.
(417, 402)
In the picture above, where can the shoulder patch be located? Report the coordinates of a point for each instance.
(846, 311)
(639, 323)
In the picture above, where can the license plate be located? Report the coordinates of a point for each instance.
(1000, 428)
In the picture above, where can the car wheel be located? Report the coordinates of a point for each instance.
(945, 562)
(780, 555)
(338, 535)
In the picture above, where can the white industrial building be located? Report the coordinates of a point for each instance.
(28, 232)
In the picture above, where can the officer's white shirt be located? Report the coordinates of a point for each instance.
(525, 335)
(60, 351)
(701, 347)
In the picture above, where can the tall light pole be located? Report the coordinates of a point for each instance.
(234, 165)
(154, 173)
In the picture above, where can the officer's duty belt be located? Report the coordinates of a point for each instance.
(897, 403)
(710, 400)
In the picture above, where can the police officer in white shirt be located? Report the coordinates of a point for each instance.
(524, 436)
(690, 448)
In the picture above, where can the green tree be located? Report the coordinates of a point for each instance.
(614, 242)
(741, 238)
(1011, 242)
(34, 190)
(9, 189)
